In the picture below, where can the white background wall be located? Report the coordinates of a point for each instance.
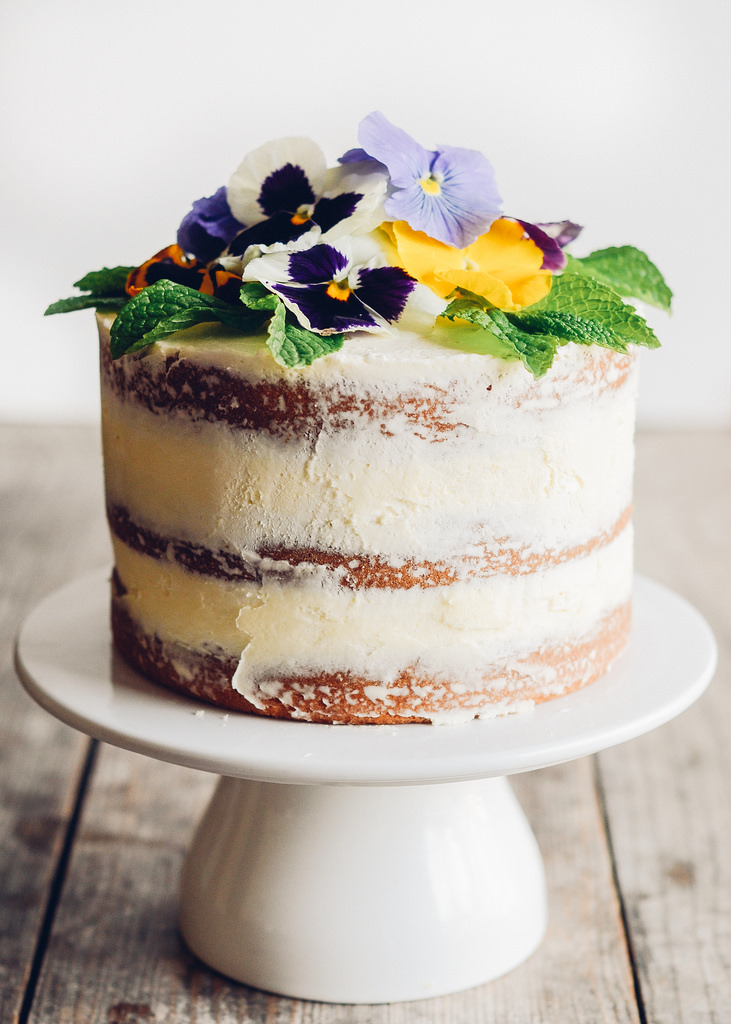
(115, 116)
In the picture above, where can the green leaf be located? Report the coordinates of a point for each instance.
(257, 296)
(536, 351)
(293, 346)
(589, 299)
(107, 281)
(166, 307)
(628, 270)
(106, 288)
(565, 327)
(75, 302)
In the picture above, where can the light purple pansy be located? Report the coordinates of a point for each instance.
(551, 239)
(330, 290)
(450, 193)
(208, 228)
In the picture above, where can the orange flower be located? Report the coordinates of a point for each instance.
(503, 266)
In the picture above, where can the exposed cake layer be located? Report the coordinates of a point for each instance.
(509, 468)
(346, 698)
(301, 626)
(347, 570)
(351, 542)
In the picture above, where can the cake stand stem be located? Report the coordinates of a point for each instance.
(363, 894)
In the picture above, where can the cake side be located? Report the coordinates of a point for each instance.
(451, 552)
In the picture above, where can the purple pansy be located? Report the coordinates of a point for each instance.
(283, 189)
(551, 239)
(449, 193)
(330, 291)
(209, 227)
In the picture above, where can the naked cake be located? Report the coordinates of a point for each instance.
(368, 442)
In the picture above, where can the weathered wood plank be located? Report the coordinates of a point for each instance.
(115, 955)
(51, 527)
(667, 794)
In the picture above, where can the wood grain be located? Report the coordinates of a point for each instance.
(49, 498)
(667, 794)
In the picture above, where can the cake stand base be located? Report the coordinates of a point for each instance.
(363, 895)
(360, 864)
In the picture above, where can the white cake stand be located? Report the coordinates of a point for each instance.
(334, 863)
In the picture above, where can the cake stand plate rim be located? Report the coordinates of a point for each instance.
(66, 662)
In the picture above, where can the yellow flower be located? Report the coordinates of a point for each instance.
(503, 266)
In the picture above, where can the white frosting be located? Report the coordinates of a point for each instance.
(313, 625)
(535, 475)
(542, 467)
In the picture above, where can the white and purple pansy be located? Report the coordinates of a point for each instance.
(336, 288)
(284, 188)
(450, 193)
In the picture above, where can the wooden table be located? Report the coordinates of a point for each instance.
(636, 841)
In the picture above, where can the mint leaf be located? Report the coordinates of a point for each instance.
(107, 281)
(535, 350)
(106, 288)
(589, 299)
(565, 327)
(75, 302)
(257, 296)
(628, 270)
(293, 346)
(166, 307)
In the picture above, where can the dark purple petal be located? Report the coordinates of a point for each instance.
(329, 212)
(353, 156)
(564, 231)
(554, 257)
(315, 265)
(550, 238)
(287, 188)
(324, 313)
(278, 228)
(385, 290)
(209, 227)
(359, 156)
(168, 270)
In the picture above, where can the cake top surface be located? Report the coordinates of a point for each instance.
(394, 240)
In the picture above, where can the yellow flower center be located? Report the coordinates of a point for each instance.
(430, 185)
(302, 215)
(339, 290)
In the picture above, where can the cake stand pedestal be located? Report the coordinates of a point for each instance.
(360, 864)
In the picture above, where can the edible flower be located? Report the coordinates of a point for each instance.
(551, 239)
(503, 265)
(450, 193)
(173, 264)
(209, 227)
(332, 288)
(283, 189)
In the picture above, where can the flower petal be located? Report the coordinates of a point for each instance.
(368, 182)
(295, 164)
(425, 258)
(209, 227)
(319, 312)
(321, 263)
(273, 230)
(405, 159)
(385, 290)
(564, 231)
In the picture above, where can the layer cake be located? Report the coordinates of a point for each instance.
(368, 441)
(400, 532)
